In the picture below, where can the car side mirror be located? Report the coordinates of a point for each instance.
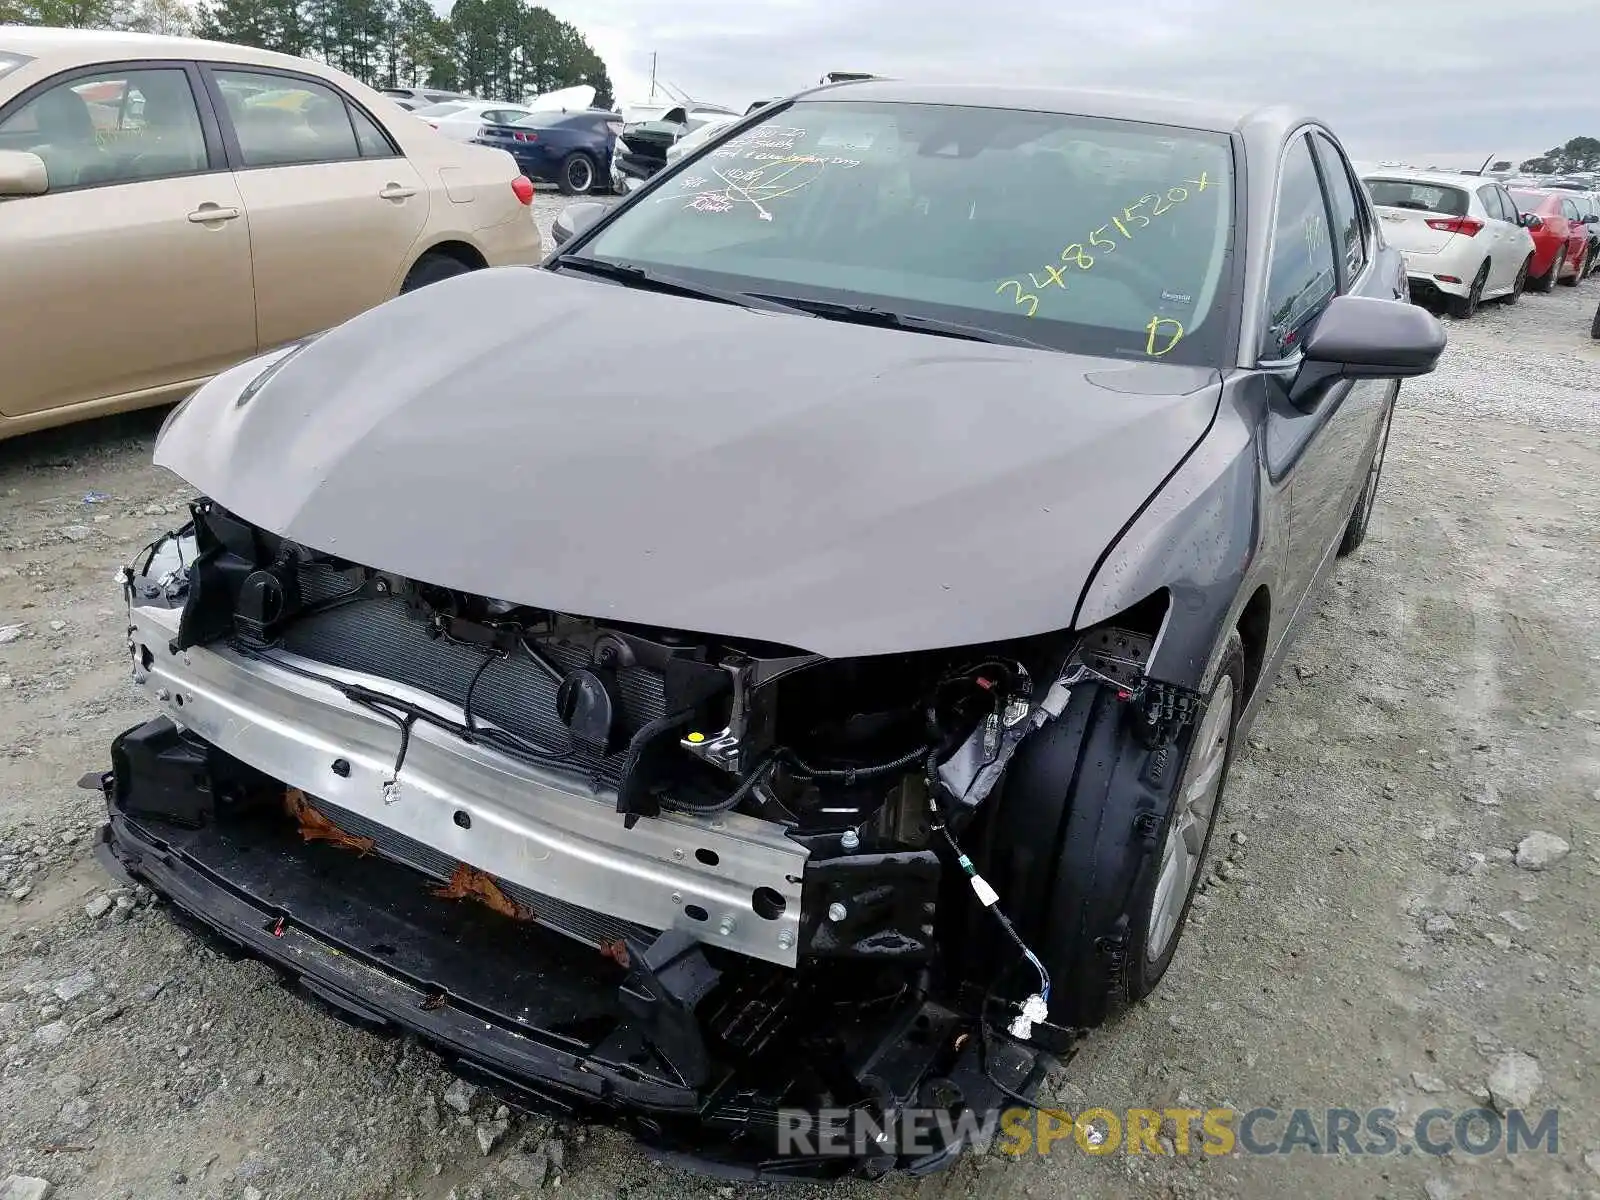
(574, 219)
(1360, 337)
(1531, 221)
(23, 174)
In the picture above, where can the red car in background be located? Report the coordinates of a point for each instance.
(1560, 237)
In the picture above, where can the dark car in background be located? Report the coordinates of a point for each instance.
(570, 149)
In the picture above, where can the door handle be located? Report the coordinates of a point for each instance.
(395, 192)
(208, 212)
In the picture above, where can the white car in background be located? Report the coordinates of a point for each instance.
(690, 142)
(1462, 236)
(460, 120)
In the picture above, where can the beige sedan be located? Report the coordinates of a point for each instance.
(171, 206)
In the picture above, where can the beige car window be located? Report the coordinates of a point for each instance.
(374, 143)
(280, 121)
(120, 127)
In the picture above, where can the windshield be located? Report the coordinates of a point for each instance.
(1091, 235)
(440, 110)
(9, 63)
(1528, 201)
(1419, 197)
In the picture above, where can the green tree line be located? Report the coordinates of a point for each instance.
(1579, 154)
(496, 49)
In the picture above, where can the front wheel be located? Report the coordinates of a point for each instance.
(1098, 842)
(578, 174)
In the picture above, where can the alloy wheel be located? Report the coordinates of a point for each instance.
(580, 175)
(1196, 803)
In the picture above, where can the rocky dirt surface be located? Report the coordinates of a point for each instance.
(1409, 905)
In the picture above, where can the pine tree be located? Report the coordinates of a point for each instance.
(171, 18)
(417, 47)
(267, 24)
(73, 14)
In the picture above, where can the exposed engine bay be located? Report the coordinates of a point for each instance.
(712, 849)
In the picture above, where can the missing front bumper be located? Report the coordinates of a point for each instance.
(558, 838)
(549, 1022)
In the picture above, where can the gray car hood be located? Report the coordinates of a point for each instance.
(570, 444)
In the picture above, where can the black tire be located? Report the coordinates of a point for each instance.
(579, 175)
(1583, 269)
(1075, 843)
(1361, 516)
(1547, 281)
(1521, 284)
(432, 268)
(1462, 307)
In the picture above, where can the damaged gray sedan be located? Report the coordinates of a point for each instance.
(819, 700)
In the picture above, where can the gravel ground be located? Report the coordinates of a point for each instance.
(1373, 942)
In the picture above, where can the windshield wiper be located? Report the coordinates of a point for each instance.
(866, 314)
(637, 276)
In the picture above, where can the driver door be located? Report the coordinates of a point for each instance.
(1323, 245)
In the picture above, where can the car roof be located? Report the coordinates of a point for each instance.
(56, 49)
(1438, 178)
(1151, 108)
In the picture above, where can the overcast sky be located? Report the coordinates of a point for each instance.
(1419, 79)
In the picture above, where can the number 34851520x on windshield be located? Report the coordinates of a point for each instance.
(1081, 256)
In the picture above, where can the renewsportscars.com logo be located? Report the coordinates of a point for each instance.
(1017, 1132)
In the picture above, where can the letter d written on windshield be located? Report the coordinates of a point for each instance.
(1164, 333)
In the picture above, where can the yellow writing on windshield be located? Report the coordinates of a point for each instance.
(1101, 242)
(1022, 297)
(1162, 327)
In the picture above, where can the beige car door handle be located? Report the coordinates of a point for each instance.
(395, 192)
(207, 213)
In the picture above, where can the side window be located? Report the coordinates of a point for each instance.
(117, 127)
(1491, 202)
(373, 142)
(281, 120)
(1300, 275)
(1348, 235)
(1508, 208)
